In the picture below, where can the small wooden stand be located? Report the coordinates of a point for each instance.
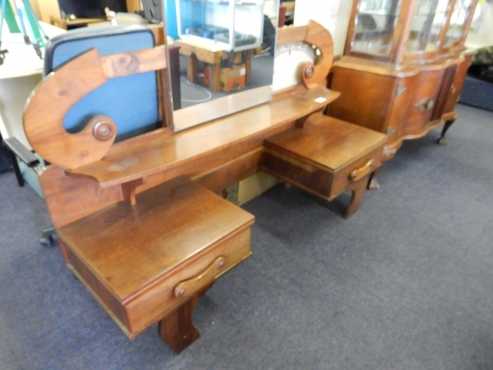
(217, 78)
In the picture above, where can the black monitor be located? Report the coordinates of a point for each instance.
(90, 8)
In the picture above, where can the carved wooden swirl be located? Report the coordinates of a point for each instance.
(53, 98)
(314, 34)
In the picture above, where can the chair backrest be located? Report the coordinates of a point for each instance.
(132, 102)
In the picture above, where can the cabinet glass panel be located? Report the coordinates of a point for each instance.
(459, 17)
(428, 20)
(231, 25)
(375, 23)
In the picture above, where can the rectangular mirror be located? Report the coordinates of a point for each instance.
(221, 55)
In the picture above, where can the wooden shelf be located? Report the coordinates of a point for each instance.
(160, 151)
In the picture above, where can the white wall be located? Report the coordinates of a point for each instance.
(332, 14)
(481, 34)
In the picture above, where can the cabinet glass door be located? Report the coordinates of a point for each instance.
(458, 21)
(374, 27)
(248, 24)
(429, 18)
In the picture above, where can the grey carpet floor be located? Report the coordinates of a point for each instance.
(407, 283)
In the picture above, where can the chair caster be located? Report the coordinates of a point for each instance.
(49, 238)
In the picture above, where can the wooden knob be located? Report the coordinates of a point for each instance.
(179, 291)
(220, 262)
(309, 71)
(103, 130)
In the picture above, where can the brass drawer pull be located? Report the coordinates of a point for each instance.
(202, 279)
(362, 172)
(425, 105)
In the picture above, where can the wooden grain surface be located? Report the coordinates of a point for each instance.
(153, 153)
(328, 142)
(128, 247)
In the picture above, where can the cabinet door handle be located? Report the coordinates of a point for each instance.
(425, 105)
(361, 172)
(202, 279)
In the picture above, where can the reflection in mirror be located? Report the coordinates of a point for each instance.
(458, 21)
(221, 56)
(427, 23)
(374, 28)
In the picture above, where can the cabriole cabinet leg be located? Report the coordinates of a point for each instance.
(442, 140)
(373, 183)
(177, 329)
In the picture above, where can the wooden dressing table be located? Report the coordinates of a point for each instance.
(138, 221)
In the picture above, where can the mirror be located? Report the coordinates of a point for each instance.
(221, 55)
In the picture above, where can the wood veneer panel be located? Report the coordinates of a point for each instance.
(153, 153)
(129, 247)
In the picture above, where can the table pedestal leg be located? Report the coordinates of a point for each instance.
(177, 329)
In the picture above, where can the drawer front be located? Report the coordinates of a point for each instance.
(362, 168)
(303, 175)
(167, 294)
(426, 87)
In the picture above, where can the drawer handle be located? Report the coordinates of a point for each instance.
(362, 172)
(425, 105)
(206, 276)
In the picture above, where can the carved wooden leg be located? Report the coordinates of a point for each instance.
(192, 68)
(177, 328)
(358, 190)
(215, 77)
(446, 127)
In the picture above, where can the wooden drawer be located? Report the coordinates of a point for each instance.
(343, 179)
(326, 157)
(171, 291)
(143, 262)
(317, 180)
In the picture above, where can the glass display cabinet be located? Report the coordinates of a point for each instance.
(233, 25)
(403, 67)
